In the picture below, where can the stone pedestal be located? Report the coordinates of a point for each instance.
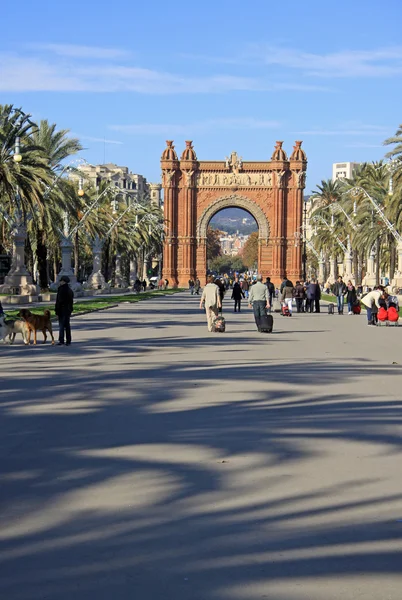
(348, 269)
(133, 270)
(397, 280)
(66, 246)
(370, 277)
(119, 281)
(19, 280)
(332, 275)
(96, 280)
(321, 269)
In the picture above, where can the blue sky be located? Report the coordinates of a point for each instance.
(228, 75)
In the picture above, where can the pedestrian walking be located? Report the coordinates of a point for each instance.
(191, 286)
(237, 294)
(63, 309)
(339, 290)
(259, 300)
(300, 295)
(144, 285)
(351, 296)
(211, 299)
(313, 292)
(197, 286)
(222, 290)
(245, 286)
(271, 290)
(287, 294)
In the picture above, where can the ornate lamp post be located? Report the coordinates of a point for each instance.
(18, 280)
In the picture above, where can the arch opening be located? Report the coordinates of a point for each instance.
(234, 201)
(259, 229)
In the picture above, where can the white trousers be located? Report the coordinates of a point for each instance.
(288, 302)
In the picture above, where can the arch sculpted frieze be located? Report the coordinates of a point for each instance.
(205, 179)
(234, 201)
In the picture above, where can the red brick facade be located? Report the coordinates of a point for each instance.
(272, 192)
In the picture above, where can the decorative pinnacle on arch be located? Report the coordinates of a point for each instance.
(298, 153)
(279, 153)
(169, 153)
(189, 152)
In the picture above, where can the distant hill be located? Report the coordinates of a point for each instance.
(231, 220)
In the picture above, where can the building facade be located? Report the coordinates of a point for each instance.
(343, 170)
(135, 186)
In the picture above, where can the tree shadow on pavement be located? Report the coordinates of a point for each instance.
(171, 481)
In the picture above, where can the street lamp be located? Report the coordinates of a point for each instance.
(17, 154)
(304, 257)
(81, 187)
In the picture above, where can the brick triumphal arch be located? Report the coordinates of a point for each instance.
(194, 191)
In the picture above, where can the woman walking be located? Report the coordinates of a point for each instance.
(351, 296)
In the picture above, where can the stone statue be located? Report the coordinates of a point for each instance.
(301, 179)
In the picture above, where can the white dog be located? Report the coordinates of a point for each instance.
(11, 327)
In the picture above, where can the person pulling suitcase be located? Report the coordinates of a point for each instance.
(259, 302)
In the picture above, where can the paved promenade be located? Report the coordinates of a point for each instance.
(153, 460)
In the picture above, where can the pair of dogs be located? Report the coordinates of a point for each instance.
(29, 323)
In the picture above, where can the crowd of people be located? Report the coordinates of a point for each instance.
(264, 297)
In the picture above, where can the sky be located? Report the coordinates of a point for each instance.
(125, 76)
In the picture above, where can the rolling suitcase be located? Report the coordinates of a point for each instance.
(331, 308)
(285, 311)
(266, 324)
(219, 324)
(356, 310)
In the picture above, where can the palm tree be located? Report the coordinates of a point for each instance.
(396, 141)
(28, 176)
(329, 192)
(57, 147)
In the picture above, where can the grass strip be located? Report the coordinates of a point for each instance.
(83, 307)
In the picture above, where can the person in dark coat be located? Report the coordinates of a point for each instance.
(313, 292)
(271, 290)
(237, 294)
(299, 296)
(221, 287)
(63, 309)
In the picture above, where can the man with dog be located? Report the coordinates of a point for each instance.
(63, 310)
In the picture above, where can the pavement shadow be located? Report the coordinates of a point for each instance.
(84, 431)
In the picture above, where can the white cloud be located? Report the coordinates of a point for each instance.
(378, 62)
(197, 127)
(68, 74)
(89, 138)
(348, 129)
(382, 62)
(74, 51)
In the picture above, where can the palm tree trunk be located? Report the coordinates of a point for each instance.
(378, 262)
(392, 261)
(54, 266)
(76, 254)
(41, 256)
(106, 258)
(356, 266)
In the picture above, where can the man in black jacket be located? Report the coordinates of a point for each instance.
(63, 309)
(237, 294)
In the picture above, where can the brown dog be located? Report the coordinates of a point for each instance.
(37, 323)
